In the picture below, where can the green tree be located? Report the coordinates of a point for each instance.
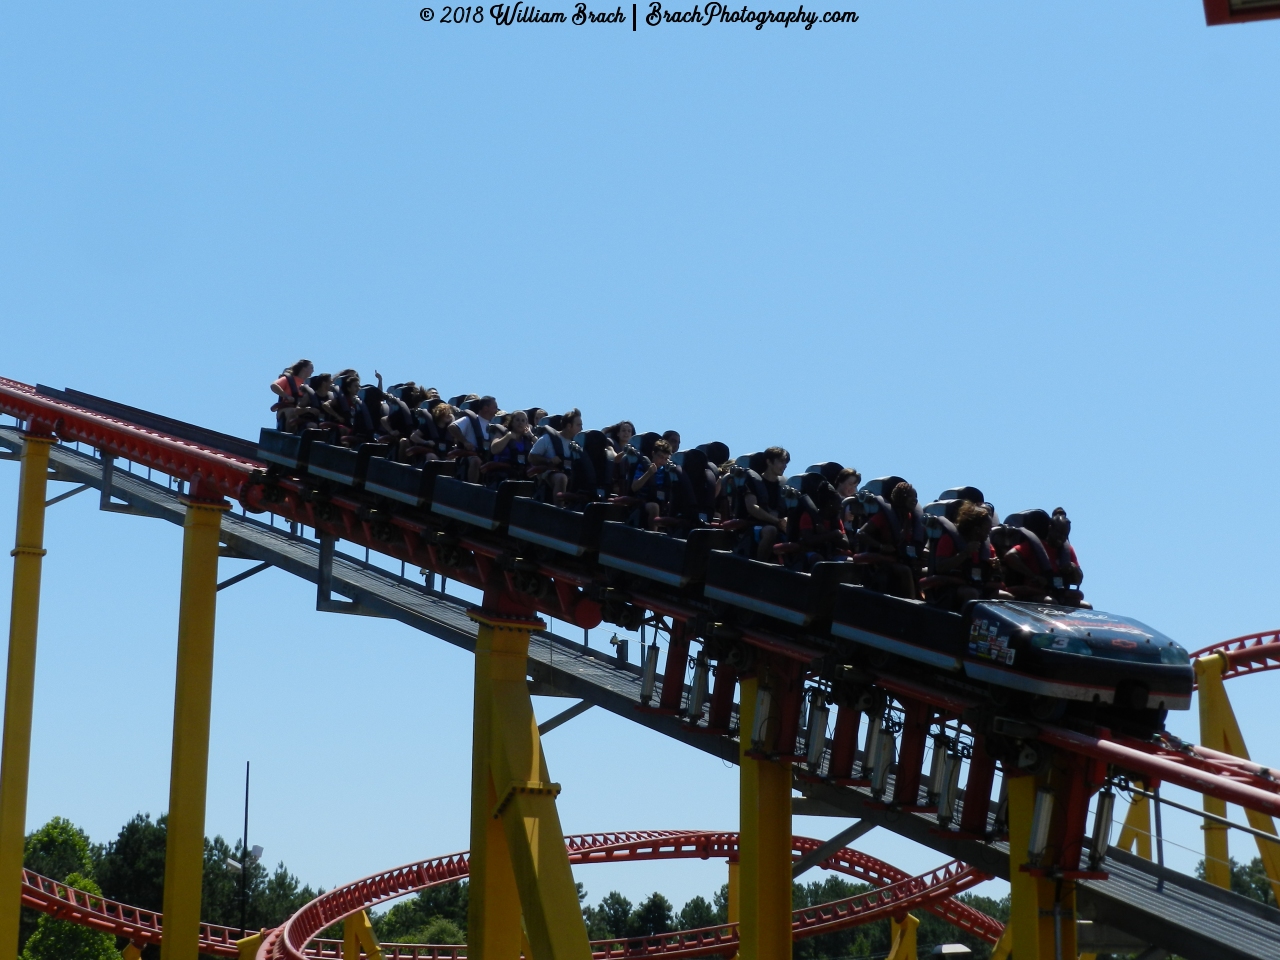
(407, 922)
(62, 940)
(1248, 880)
(654, 915)
(441, 930)
(131, 868)
(58, 849)
(696, 914)
(610, 918)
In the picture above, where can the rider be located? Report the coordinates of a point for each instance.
(399, 425)
(1054, 569)
(973, 559)
(430, 441)
(514, 446)
(291, 387)
(471, 432)
(653, 480)
(346, 409)
(762, 502)
(816, 522)
(899, 533)
(554, 453)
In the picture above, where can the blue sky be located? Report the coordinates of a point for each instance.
(1028, 248)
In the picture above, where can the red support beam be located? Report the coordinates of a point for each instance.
(915, 732)
(677, 664)
(844, 744)
(977, 790)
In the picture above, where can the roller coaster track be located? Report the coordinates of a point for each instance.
(1161, 906)
(1255, 653)
(894, 893)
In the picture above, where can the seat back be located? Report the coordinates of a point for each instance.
(881, 486)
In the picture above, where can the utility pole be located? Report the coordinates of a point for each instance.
(244, 857)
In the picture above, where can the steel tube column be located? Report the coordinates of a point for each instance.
(493, 910)
(764, 845)
(525, 801)
(1042, 911)
(193, 694)
(1220, 730)
(20, 681)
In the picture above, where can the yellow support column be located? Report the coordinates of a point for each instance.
(493, 912)
(526, 804)
(1038, 930)
(1136, 831)
(1220, 730)
(902, 946)
(189, 767)
(764, 845)
(357, 932)
(20, 682)
(1004, 946)
(732, 905)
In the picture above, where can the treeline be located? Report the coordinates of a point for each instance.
(1249, 880)
(130, 869)
(439, 915)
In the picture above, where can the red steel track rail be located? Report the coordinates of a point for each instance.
(118, 919)
(896, 893)
(213, 473)
(1255, 653)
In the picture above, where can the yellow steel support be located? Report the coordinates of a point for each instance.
(133, 952)
(1220, 730)
(1042, 915)
(732, 905)
(524, 804)
(764, 846)
(494, 929)
(902, 944)
(189, 768)
(248, 948)
(357, 932)
(20, 683)
(1136, 831)
(1004, 946)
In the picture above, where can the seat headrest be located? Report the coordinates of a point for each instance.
(715, 451)
(972, 494)
(757, 462)
(694, 460)
(882, 486)
(812, 483)
(1037, 521)
(829, 471)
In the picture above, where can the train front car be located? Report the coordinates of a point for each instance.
(1059, 655)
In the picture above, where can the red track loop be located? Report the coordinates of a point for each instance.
(897, 894)
(1256, 653)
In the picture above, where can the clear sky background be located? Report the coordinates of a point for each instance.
(1027, 247)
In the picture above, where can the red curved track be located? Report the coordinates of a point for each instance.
(896, 893)
(1255, 653)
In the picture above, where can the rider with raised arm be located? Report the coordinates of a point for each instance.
(291, 388)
